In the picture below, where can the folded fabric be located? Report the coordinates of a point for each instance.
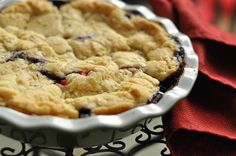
(205, 122)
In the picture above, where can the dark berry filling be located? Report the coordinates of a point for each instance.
(83, 38)
(171, 81)
(21, 55)
(85, 112)
(51, 76)
(17, 55)
(60, 80)
(135, 13)
(176, 39)
(156, 97)
(131, 13)
(35, 60)
(180, 55)
(128, 15)
(59, 3)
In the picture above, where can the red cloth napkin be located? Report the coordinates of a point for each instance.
(203, 124)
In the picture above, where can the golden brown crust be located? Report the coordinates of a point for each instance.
(85, 54)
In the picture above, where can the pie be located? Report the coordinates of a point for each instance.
(84, 57)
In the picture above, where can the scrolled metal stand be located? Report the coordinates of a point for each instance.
(34, 150)
(145, 138)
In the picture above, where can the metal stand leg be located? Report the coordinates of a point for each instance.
(69, 152)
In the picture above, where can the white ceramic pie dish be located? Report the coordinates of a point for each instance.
(98, 130)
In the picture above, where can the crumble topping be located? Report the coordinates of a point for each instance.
(83, 56)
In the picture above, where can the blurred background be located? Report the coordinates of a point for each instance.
(222, 13)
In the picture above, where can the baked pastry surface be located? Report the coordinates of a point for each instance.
(87, 54)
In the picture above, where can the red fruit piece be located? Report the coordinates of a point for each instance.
(131, 69)
(84, 73)
(63, 82)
